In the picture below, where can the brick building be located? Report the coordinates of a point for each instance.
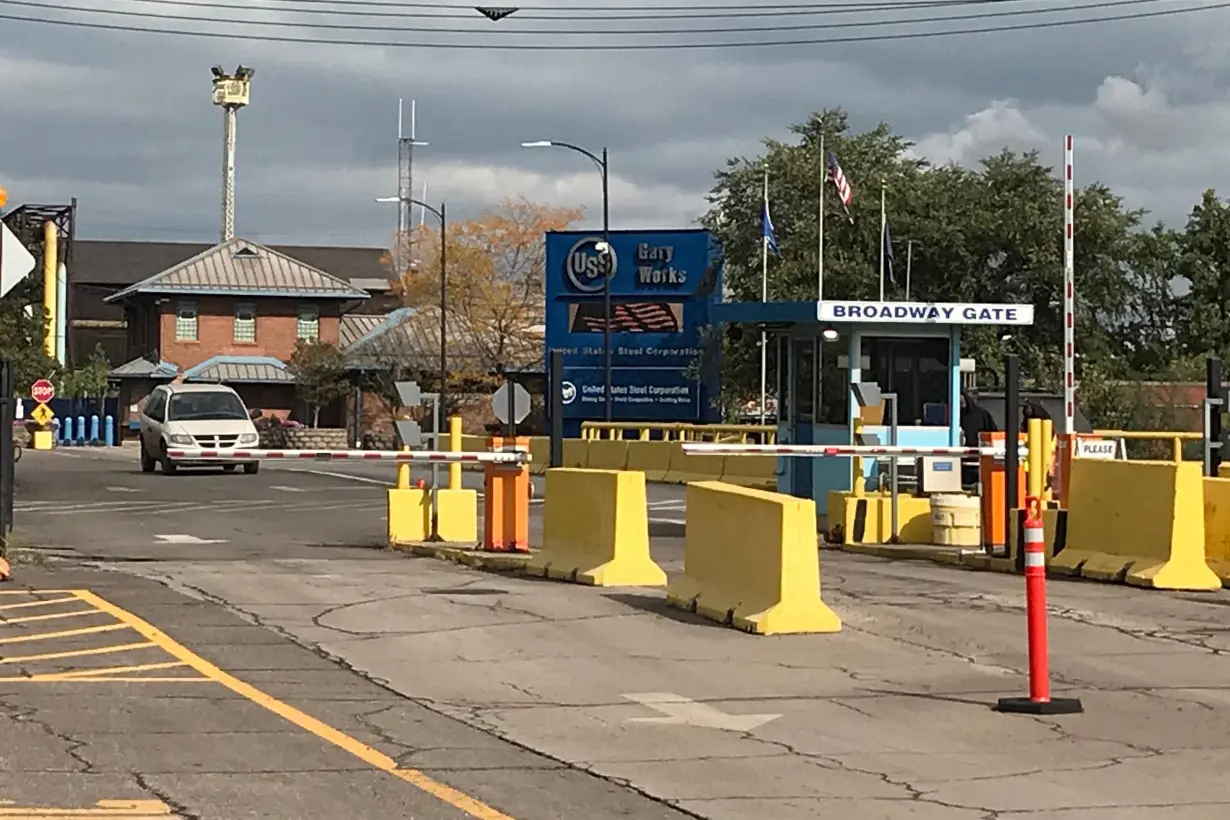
(230, 314)
(101, 268)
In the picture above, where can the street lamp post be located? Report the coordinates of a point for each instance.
(604, 251)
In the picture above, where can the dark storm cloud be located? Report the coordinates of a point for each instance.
(124, 122)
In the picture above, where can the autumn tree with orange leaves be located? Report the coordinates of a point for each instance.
(495, 282)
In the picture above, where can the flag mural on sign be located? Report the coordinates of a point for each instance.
(844, 192)
(629, 317)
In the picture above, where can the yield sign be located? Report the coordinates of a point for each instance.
(15, 261)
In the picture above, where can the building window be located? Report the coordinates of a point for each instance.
(186, 322)
(308, 328)
(245, 322)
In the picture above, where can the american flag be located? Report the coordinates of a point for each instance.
(633, 317)
(839, 182)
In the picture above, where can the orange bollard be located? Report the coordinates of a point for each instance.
(506, 500)
(994, 479)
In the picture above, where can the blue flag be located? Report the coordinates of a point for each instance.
(770, 238)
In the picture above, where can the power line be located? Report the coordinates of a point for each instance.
(371, 27)
(365, 8)
(472, 46)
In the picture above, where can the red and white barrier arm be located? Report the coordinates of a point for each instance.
(849, 450)
(408, 456)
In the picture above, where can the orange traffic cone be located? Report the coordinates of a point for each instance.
(6, 574)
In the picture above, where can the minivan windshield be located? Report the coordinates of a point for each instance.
(206, 406)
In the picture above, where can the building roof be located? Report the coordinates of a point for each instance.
(240, 369)
(411, 338)
(239, 267)
(143, 368)
(107, 263)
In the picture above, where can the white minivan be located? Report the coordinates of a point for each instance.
(207, 416)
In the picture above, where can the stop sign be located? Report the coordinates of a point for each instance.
(42, 391)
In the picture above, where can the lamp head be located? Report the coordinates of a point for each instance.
(537, 144)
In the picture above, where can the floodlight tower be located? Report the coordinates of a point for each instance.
(231, 93)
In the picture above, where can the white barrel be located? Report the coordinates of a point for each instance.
(956, 520)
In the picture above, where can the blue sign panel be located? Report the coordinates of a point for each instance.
(662, 286)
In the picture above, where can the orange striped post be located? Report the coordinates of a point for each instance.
(506, 500)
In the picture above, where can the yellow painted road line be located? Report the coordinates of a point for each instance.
(36, 591)
(27, 604)
(447, 794)
(77, 653)
(113, 670)
(120, 679)
(67, 633)
(54, 616)
(116, 809)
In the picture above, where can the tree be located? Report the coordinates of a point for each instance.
(1203, 323)
(994, 233)
(88, 381)
(23, 324)
(496, 270)
(320, 375)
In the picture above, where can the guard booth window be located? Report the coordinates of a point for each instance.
(915, 369)
(804, 378)
(834, 382)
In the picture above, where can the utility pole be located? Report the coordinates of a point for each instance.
(231, 93)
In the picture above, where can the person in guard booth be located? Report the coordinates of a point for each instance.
(975, 420)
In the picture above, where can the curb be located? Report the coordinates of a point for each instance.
(468, 556)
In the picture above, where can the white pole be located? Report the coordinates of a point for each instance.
(883, 227)
(909, 263)
(824, 178)
(1069, 295)
(764, 297)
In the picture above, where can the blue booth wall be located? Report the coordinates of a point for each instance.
(663, 285)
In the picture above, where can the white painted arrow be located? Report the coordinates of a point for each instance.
(680, 711)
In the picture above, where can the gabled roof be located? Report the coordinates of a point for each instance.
(239, 267)
(240, 369)
(353, 326)
(117, 263)
(143, 368)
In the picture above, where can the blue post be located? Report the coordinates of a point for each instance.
(81, 430)
(109, 431)
(94, 437)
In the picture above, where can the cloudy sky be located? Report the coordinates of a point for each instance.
(123, 121)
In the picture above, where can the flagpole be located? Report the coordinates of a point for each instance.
(883, 226)
(764, 297)
(824, 177)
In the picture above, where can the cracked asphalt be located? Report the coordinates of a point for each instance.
(518, 691)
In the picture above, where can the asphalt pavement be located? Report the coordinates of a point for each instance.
(546, 700)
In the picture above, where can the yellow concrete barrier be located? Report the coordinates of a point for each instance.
(596, 530)
(605, 454)
(1137, 521)
(653, 458)
(757, 472)
(1217, 526)
(686, 468)
(409, 515)
(752, 560)
(1223, 471)
(540, 454)
(576, 454)
(474, 444)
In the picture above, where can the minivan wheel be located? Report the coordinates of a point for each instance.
(147, 462)
(228, 468)
(168, 467)
(251, 468)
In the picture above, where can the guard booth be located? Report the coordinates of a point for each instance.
(912, 349)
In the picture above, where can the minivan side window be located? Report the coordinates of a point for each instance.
(156, 407)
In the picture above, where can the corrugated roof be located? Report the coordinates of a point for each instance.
(354, 326)
(142, 368)
(121, 263)
(244, 268)
(240, 369)
(411, 337)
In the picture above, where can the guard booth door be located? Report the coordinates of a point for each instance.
(798, 392)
